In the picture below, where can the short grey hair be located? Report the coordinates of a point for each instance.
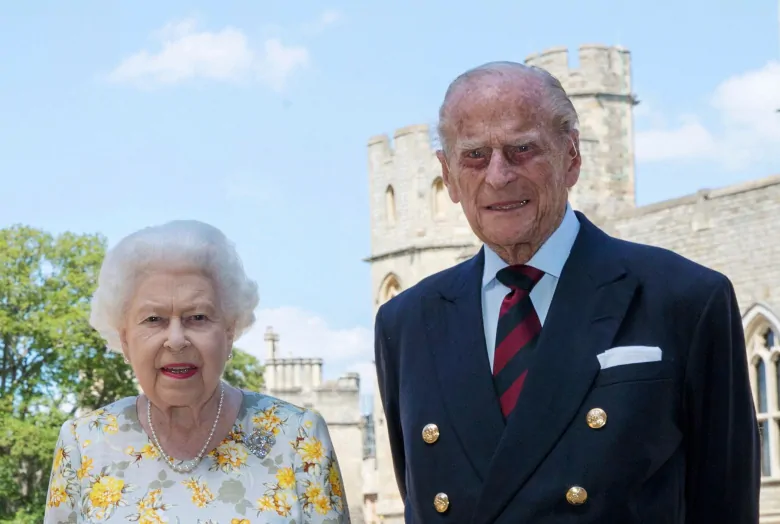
(180, 244)
(563, 113)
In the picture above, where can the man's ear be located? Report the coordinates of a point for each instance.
(573, 159)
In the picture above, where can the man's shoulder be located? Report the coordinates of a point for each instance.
(665, 267)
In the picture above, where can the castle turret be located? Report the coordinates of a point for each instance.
(412, 216)
(600, 89)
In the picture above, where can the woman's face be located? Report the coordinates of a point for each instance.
(175, 337)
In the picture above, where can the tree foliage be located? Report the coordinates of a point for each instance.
(244, 371)
(52, 363)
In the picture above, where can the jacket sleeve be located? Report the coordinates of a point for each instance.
(386, 361)
(722, 440)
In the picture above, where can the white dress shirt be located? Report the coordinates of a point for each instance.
(550, 258)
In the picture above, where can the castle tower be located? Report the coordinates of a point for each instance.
(600, 89)
(416, 230)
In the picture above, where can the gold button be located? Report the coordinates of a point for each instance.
(596, 418)
(441, 502)
(430, 433)
(576, 495)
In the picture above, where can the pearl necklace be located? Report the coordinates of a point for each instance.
(185, 466)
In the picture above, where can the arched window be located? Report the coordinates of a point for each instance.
(390, 287)
(762, 328)
(390, 205)
(439, 198)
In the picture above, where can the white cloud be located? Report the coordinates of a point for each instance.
(305, 334)
(689, 140)
(281, 61)
(186, 54)
(747, 126)
(327, 18)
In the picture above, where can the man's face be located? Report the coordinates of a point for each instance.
(507, 165)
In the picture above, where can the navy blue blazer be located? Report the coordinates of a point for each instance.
(680, 443)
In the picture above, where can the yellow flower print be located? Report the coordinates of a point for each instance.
(106, 423)
(105, 495)
(60, 456)
(150, 509)
(322, 505)
(57, 493)
(311, 451)
(334, 479)
(314, 497)
(269, 420)
(286, 478)
(240, 521)
(266, 503)
(228, 456)
(106, 492)
(276, 502)
(148, 451)
(282, 505)
(201, 494)
(86, 467)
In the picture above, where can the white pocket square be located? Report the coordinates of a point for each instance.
(622, 355)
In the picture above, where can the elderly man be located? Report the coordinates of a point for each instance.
(560, 375)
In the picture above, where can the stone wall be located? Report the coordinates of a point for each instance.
(735, 230)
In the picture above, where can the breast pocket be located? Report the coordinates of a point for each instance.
(642, 371)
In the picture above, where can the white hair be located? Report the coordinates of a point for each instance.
(562, 111)
(180, 244)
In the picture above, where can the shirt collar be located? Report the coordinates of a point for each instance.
(550, 258)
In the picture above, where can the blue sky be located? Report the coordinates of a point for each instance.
(254, 116)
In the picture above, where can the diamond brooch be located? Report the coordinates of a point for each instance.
(260, 442)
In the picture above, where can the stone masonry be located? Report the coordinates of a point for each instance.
(416, 231)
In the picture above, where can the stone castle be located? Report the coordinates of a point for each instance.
(416, 231)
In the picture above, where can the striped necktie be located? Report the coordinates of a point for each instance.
(516, 335)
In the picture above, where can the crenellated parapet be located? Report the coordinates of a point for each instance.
(602, 70)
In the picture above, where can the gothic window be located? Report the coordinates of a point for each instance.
(390, 205)
(439, 195)
(761, 333)
(390, 288)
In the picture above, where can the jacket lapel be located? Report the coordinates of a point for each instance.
(590, 302)
(456, 339)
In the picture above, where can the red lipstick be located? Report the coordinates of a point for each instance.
(179, 370)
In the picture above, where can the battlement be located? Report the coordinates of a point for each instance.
(408, 142)
(602, 69)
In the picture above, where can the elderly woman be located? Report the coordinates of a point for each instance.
(190, 448)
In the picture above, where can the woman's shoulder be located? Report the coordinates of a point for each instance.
(267, 411)
(106, 419)
(255, 402)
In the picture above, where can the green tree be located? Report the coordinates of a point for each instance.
(50, 353)
(51, 361)
(244, 371)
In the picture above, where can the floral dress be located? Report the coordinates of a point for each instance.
(277, 465)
